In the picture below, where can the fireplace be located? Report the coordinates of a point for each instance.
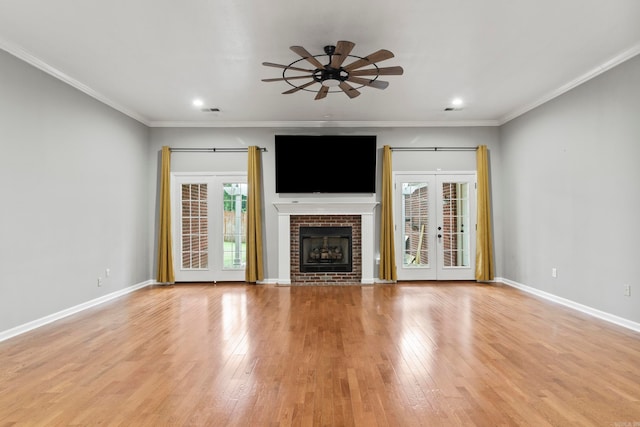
(357, 215)
(325, 249)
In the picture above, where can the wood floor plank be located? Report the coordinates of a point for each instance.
(411, 354)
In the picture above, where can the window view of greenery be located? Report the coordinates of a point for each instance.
(235, 221)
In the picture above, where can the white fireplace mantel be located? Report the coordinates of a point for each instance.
(331, 208)
(364, 209)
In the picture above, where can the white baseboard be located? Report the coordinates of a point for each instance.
(620, 321)
(4, 335)
(384, 282)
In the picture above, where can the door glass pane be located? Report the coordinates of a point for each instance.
(195, 244)
(455, 222)
(415, 208)
(234, 223)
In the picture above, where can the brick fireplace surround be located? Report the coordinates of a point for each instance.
(357, 215)
(333, 277)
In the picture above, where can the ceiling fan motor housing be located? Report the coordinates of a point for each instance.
(329, 76)
(326, 77)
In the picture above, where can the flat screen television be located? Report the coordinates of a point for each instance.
(325, 163)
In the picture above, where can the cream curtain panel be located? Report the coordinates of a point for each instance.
(255, 269)
(387, 249)
(484, 238)
(165, 272)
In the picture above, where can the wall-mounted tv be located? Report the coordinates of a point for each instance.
(325, 163)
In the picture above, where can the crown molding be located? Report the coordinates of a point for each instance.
(27, 57)
(324, 123)
(616, 60)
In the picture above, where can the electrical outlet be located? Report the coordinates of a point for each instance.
(627, 290)
(554, 272)
(99, 281)
(107, 272)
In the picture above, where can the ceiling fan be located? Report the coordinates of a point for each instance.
(334, 73)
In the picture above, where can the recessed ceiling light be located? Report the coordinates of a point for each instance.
(198, 102)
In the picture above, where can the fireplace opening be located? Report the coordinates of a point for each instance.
(325, 249)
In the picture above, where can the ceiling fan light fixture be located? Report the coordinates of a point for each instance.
(330, 83)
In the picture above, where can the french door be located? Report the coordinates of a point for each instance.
(435, 217)
(209, 222)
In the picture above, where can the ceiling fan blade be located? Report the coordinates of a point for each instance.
(295, 89)
(385, 71)
(378, 84)
(349, 90)
(279, 79)
(343, 48)
(271, 64)
(378, 56)
(324, 90)
(306, 55)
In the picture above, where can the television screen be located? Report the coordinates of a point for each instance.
(325, 163)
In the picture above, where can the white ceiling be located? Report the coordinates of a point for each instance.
(151, 58)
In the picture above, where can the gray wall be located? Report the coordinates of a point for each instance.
(570, 196)
(74, 189)
(264, 137)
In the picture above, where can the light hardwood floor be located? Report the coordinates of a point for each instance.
(424, 354)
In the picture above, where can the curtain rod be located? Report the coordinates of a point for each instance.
(434, 148)
(213, 150)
